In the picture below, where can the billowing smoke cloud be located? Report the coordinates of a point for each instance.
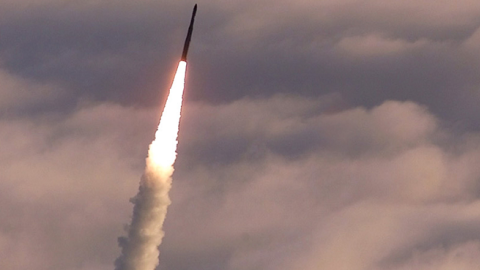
(140, 248)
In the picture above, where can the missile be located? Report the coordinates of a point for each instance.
(189, 35)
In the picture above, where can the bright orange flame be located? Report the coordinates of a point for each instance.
(162, 152)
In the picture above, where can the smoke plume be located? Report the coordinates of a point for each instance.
(140, 247)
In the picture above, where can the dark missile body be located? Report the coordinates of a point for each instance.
(189, 35)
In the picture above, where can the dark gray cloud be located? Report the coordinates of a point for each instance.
(368, 52)
(97, 50)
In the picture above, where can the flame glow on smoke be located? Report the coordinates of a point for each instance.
(140, 248)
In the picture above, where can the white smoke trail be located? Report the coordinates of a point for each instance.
(140, 248)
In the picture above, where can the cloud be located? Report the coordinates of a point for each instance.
(376, 46)
(19, 94)
(373, 207)
(278, 183)
(368, 52)
(463, 256)
(64, 183)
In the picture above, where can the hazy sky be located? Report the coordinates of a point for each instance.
(316, 134)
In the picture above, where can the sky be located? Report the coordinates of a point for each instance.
(315, 134)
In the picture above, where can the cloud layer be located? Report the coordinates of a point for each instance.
(368, 52)
(278, 183)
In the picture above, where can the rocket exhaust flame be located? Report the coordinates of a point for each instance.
(140, 248)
